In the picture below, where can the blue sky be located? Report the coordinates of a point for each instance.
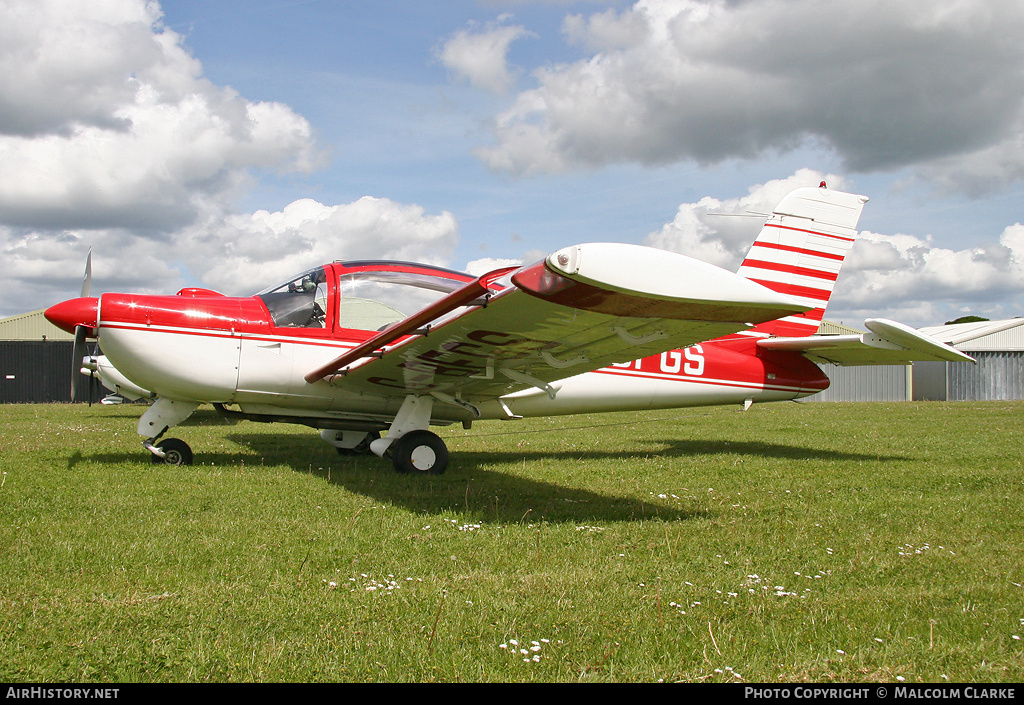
(400, 126)
(229, 144)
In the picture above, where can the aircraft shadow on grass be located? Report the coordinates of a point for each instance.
(472, 485)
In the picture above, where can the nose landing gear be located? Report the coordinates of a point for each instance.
(170, 451)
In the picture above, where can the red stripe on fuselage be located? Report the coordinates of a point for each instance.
(787, 329)
(702, 380)
(341, 345)
(730, 361)
(815, 314)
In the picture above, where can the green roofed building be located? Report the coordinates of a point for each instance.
(35, 360)
(997, 346)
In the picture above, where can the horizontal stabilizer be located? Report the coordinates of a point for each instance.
(886, 343)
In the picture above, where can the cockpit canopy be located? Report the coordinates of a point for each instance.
(369, 295)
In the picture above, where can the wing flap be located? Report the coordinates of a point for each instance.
(887, 343)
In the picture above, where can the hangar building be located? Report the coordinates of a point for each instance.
(998, 347)
(998, 376)
(35, 360)
(872, 383)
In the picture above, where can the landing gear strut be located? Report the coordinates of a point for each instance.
(164, 414)
(410, 446)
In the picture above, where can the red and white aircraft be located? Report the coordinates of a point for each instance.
(360, 348)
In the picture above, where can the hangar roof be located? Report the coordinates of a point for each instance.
(31, 326)
(832, 328)
(1006, 335)
(983, 336)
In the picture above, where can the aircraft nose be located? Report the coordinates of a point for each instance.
(72, 313)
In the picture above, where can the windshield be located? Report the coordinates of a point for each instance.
(373, 300)
(300, 302)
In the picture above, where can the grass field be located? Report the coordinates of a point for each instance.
(791, 542)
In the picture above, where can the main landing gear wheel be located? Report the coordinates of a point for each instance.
(176, 452)
(420, 452)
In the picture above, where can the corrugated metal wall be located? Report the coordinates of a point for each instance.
(35, 371)
(998, 376)
(870, 383)
(930, 380)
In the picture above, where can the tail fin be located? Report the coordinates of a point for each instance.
(800, 250)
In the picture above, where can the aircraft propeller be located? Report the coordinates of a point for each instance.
(87, 277)
(82, 358)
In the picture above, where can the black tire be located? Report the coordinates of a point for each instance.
(176, 452)
(420, 452)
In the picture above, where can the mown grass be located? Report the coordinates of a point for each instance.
(821, 542)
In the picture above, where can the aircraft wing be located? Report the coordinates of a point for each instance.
(886, 343)
(582, 308)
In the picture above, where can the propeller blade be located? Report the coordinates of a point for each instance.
(87, 277)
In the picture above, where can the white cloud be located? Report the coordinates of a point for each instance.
(111, 137)
(901, 276)
(882, 84)
(235, 254)
(109, 123)
(240, 254)
(910, 275)
(481, 57)
(65, 63)
(721, 231)
(41, 268)
(479, 267)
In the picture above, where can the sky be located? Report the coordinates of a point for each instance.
(233, 144)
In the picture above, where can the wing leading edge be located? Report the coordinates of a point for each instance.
(582, 308)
